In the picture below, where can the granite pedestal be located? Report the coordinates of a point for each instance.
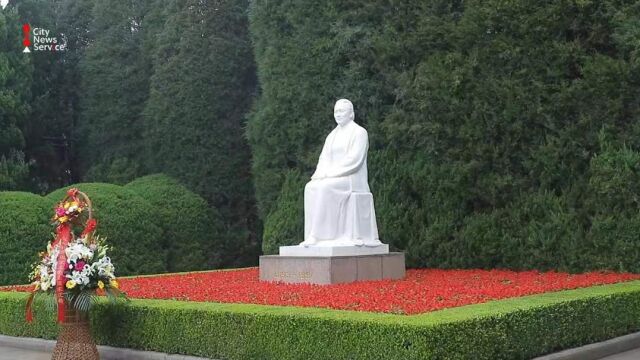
(324, 270)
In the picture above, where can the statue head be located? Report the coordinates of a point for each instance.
(343, 112)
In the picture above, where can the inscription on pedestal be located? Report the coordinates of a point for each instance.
(298, 275)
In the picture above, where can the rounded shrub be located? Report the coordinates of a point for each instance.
(192, 233)
(285, 224)
(130, 224)
(24, 231)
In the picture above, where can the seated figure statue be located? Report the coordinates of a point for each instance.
(338, 205)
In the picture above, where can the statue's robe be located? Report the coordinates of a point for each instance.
(343, 170)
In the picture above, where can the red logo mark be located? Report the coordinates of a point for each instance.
(26, 30)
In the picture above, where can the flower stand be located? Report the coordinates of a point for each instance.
(75, 341)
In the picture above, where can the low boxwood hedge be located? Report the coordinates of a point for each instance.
(518, 328)
(24, 231)
(192, 232)
(174, 229)
(129, 223)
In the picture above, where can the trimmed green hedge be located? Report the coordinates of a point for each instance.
(24, 231)
(153, 225)
(191, 231)
(129, 223)
(508, 329)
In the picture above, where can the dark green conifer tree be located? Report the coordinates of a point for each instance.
(485, 118)
(15, 83)
(114, 86)
(202, 87)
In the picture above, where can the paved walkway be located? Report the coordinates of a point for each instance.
(629, 355)
(8, 353)
(42, 351)
(38, 349)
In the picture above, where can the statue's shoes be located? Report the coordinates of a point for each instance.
(358, 242)
(308, 242)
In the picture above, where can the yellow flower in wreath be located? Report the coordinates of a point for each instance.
(114, 284)
(100, 285)
(71, 284)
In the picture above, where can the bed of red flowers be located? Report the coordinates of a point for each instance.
(421, 291)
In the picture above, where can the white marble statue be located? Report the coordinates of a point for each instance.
(338, 205)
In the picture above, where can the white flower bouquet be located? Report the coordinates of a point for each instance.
(75, 268)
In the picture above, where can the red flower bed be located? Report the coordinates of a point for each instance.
(421, 291)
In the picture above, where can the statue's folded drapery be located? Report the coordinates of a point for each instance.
(341, 172)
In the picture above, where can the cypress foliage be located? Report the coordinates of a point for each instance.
(115, 85)
(56, 88)
(193, 129)
(486, 122)
(187, 121)
(285, 225)
(15, 82)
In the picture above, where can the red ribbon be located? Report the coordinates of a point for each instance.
(89, 227)
(63, 237)
(29, 312)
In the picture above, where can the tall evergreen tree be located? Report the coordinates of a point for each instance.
(201, 88)
(73, 20)
(15, 82)
(114, 86)
(54, 90)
